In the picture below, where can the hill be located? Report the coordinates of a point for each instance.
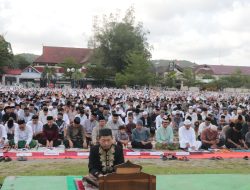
(28, 56)
(182, 63)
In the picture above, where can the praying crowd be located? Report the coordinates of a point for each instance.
(139, 119)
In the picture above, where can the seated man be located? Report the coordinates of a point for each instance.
(165, 136)
(75, 135)
(37, 128)
(103, 157)
(247, 137)
(3, 136)
(187, 137)
(122, 137)
(23, 136)
(88, 126)
(96, 129)
(141, 137)
(62, 126)
(210, 138)
(50, 134)
(234, 137)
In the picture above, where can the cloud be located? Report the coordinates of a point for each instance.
(207, 31)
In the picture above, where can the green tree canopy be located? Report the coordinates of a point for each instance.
(114, 41)
(6, 54)
(137, 72)
(188, 77)
(19, 62)
(69, 63)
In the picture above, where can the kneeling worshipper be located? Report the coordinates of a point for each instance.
(234, 137)
(103, 157)
(3, 136)
(210, 138)
(75, 135)
(23, 136)
(50, 134)
(165, 136)
(37, 127)
(141, 137)
(187, 137)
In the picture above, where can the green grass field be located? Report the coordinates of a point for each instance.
(79, 167)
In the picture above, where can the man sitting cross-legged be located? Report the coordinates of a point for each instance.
(165, 136)
(122, 137)
(23, 136)
(141, 137)
(75, 135)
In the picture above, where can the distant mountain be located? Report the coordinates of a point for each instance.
(182, 63)
(29, 56)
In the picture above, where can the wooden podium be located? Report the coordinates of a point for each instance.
(127, 176)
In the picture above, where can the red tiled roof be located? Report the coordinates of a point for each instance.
(40, 69)
(13, 71)
(59, 54)
(223, 69)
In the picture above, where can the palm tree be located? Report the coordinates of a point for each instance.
(49, 74)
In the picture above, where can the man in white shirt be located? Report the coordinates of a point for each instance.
(19, 111)
(23, 136)
(37, 128)
(27, 115)
(82, 116)
(3, 136)
(187, 137)
(158, 120)
(43, 115)
(204, 125)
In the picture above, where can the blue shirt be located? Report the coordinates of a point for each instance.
(140, 135)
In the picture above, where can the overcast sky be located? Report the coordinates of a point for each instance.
(201, 31)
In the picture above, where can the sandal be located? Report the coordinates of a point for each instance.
(164, 158)
(219, 158)
(7, 159)
(212, 158)
(2, 158)
(184, 158)
(21, 158)
(245, 157)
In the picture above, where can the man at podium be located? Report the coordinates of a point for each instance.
(103, 157)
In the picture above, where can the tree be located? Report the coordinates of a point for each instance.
(99, 72)
(188, 77)
(48, 75)
(114, 41)
(6, 54)
(69, 63)
(137, 72)
(170, 79)
(19, 62)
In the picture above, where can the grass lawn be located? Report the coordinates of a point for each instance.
(157, 167)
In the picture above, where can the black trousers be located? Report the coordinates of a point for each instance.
(88, 141)
(39, 138)
(76, 144)
(139, 145)
(207, 146)
(55, 142)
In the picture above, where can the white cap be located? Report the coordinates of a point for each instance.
(187, 122)
(213, 127)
